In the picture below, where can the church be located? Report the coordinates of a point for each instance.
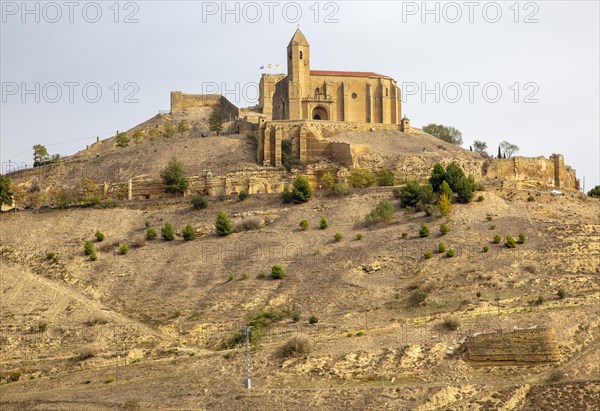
(305, 94)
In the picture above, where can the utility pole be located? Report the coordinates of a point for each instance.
(248, 383)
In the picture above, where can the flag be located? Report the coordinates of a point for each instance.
(269, 66)
(277, 66)
(262, 67)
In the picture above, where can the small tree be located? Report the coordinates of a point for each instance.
(223, 224)
(173, 176)
(445, 189)
(304, 224)
(594, 192)
(183, 126)
(360, 177)
(561, 293)
(444, 205)
(413, 193)
(277, 272)
(338, 237)
(323, 224)
(327, 181)
(497, 239)
(438, 176)
(385, 177)
(508, 148)
(199, 202)
(124, 248)
(40, 155)
(122, 140)
(6, 194)
(510, 242)
(447, 134)
(301, 190)
(521, 238)
(99, 236)
(424, 231)
(441, 248)
(168, 232)
(479, 146)
(215, 121)
(188, 233)
(382, 213)
(444, 229)
(168, 130)
(151, 234)
(88, 248)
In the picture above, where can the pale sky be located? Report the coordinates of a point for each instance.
(542, 56)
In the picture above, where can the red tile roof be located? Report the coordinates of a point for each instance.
(346, 73)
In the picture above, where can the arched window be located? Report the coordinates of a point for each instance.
(300, 55)
(317, 91)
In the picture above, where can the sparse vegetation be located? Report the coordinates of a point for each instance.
(199, 202)
(277, 272)
(450, 253)
(215, 121)
(521, 238)
(382, 213)
(485, 249)
(223, 224)
(297, 345)
(123, 248)
(313, 320)
(340, 190)
(444, 229)
(444, 204)
(168, 232)
(385, 178)
(6, 194)
(89, 250)
(151, 234)
(99, 236)
(497, 239)
(530, 199)
(427, 254)
(173, 176)
(337, 237)
(360, 177)
(122, 140)
(451, 323)
(424, 231)
(248, 224)
(323, 224)
(14, 376)
(243, 195)
(510, 242)
(359, 236)
(480, 199)
(404, 234)
(189, 233)
(441, 248)
(561, 293)
(327, 181)
(304, 224)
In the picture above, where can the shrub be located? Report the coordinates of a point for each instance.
(444, 204)
(151, 234)
(245, 275)
(286, 196)
(360, 333)
(340, 190)
(485, 249)
(404, 235)
(428, 210)
(124, 248)
(497, 239)
(327, 181)
(323, 224)
(301, 190)
(530, 199)
(99, 236)
(88, 248)
(444, 229)
(451, 323)
(304, 224)
(168, 232)
(413, 192)
(438, 176)
(230, 277)
(521, 238)
(594, 192)
(480, 199)
(510, 242)
(493, 227)
(383, 212)
(243, 195)
(338, 237)
(189, 233)
(147, 223)
(199, 202)
(173, 177)
(297, 345)
(441, 248)
(248, 224)
(223, 224)
(313, 320)
(424, 231)
(488, 217)
(359, 236)
(277, 272)
(464, 189)
(427, 255)
(360, 177)
(93, 256)
(555, 376)
(385, 177)
(183, 126)
(445, 189)
(14, 376)
(50, 256)
(561, 293)
(168, 130)
(539, 300)
(450, 253)
(109, 380)
(122, 140)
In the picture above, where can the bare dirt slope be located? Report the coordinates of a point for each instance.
(145, 330)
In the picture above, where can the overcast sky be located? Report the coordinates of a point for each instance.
(525, 72)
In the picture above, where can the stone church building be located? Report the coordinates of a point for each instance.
(305, 94)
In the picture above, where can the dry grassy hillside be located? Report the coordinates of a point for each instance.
(145, 330)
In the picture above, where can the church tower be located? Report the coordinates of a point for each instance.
(298, 65)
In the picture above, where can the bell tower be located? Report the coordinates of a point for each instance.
(298, 65)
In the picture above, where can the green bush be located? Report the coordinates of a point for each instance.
(428, 209)
(338, 237)
(199, 202)
(485, 249)
(382, 213)
(427, 255)
(561, 293)
(93, 256)
(594, 192)
(277, 272)
(497, 239)
(14, 376)
(488, 217)
(445, 189)
(223, 224)
(173, 177)
(450, 253)
(122, 140)
(530, 199)
(151, 234)
(323, 224)
(464, 189)
(438, 176)
(510, 242)
(539, 301)
(243, 195)
(88, 248)
(424, 231)
(359, 236)
(124, 248)
(360, 333)
(360, 177)
(441, 248)
(327, 181)
(340, 190)
(168, 232)
(304, 224)
(444, 229)
(413, 193)
(99, 236)
(189, 233)
(245, 275)
(313, 320)
(301, 190)
(50, 256)
(385, 177)
(404, 235)
(521, 238)
(480, 199)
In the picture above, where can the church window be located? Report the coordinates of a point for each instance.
(354, 96)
